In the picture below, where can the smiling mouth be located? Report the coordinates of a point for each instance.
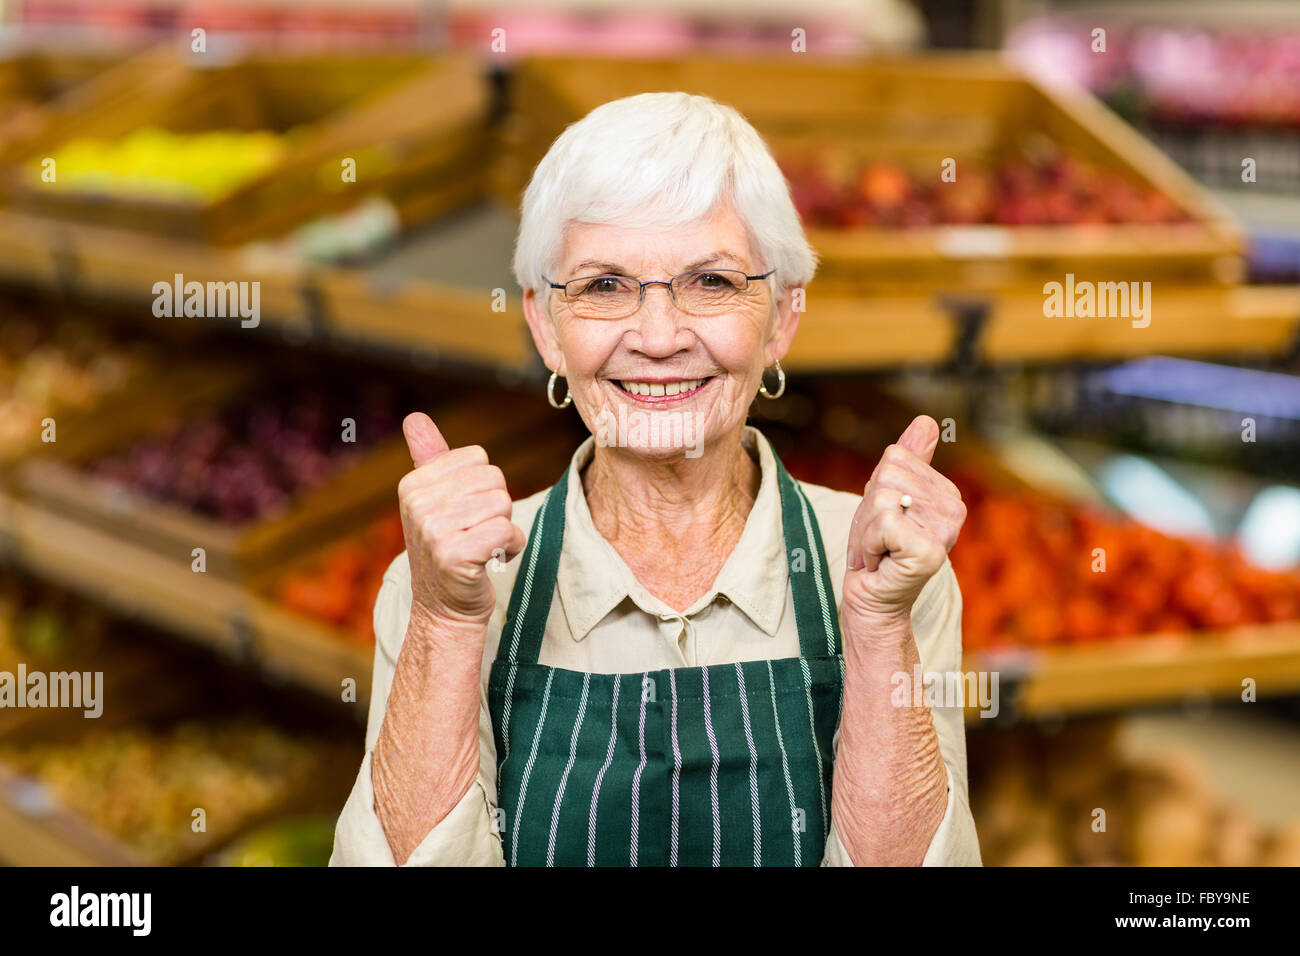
(661, 391)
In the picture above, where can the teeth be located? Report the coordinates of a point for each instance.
(661, 388)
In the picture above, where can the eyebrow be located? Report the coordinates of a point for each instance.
(615, 268)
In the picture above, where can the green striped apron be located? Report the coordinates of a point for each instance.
(728, 764)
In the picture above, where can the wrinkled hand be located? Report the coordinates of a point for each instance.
(893, 554)
(456, 517)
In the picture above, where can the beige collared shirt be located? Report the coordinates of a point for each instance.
(602, 620)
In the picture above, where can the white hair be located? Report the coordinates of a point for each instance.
(660, 160)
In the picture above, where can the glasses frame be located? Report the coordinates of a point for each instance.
(668, 283)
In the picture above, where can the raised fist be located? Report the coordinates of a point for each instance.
(456, 518)
(894, 551)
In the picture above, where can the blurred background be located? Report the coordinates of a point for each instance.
(201, 508)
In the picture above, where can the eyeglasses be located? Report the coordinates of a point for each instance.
(701, 292)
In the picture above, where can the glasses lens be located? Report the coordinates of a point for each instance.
(710, 291)
(603, 297)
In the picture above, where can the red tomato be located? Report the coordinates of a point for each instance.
(1038, 624)
(1169, 623)
(1085, 619)
(1282, 607)
(1125, 623)
(1144, 593)
(981, 623)
(316, 598)
(1224, 609)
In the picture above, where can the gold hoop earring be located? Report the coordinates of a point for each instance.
(780, 383)
(568, 395)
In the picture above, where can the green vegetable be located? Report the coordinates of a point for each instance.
(300, 841)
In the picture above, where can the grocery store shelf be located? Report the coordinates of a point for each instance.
(33, 832)
(212, 611)
(232, 620)
(843, 332)
(100, 262)
(304, 303)
(1145, 671)
(1182, 321)
(426, 298)
(839, 331)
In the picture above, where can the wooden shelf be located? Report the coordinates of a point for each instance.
(33, 832)
(409, 316)
(842, 332)
(1144, 671)
(1184, 320)
(217, 613)
(1035, 683)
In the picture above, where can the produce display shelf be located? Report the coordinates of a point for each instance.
(415, 128)
(1145, 671)
(843, 332)
(1184, 320)
(1049, 682)
(122, 265)
(35, 835)
(174, 706)
(916, 111)
(229, 551)
(429, 305)
(214, 612)
(41, 86)
(408, 316)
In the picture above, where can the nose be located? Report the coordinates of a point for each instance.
(661, 329)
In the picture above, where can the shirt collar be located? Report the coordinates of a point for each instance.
(593, 579)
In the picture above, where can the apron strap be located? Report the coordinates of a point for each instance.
(816, 616)
(815, 613)
(530, 598)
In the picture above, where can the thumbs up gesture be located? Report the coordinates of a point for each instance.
(894, 551)
(456, 517)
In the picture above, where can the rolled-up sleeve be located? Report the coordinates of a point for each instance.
(936, 627)
(466, 836)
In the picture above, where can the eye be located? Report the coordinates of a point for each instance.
(715, 281)
(601, 285)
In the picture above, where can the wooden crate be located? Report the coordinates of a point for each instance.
(124, 666)
(918, 110)
(529, 447)
(532, 456)
(61, 484)
(36, 829)
(40, 88)
(77, 423)
(147, 402)
(58, 482)
(417, 129)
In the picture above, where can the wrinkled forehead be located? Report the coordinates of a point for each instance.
(720, 239)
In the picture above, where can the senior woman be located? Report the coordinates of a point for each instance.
(689, 658)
